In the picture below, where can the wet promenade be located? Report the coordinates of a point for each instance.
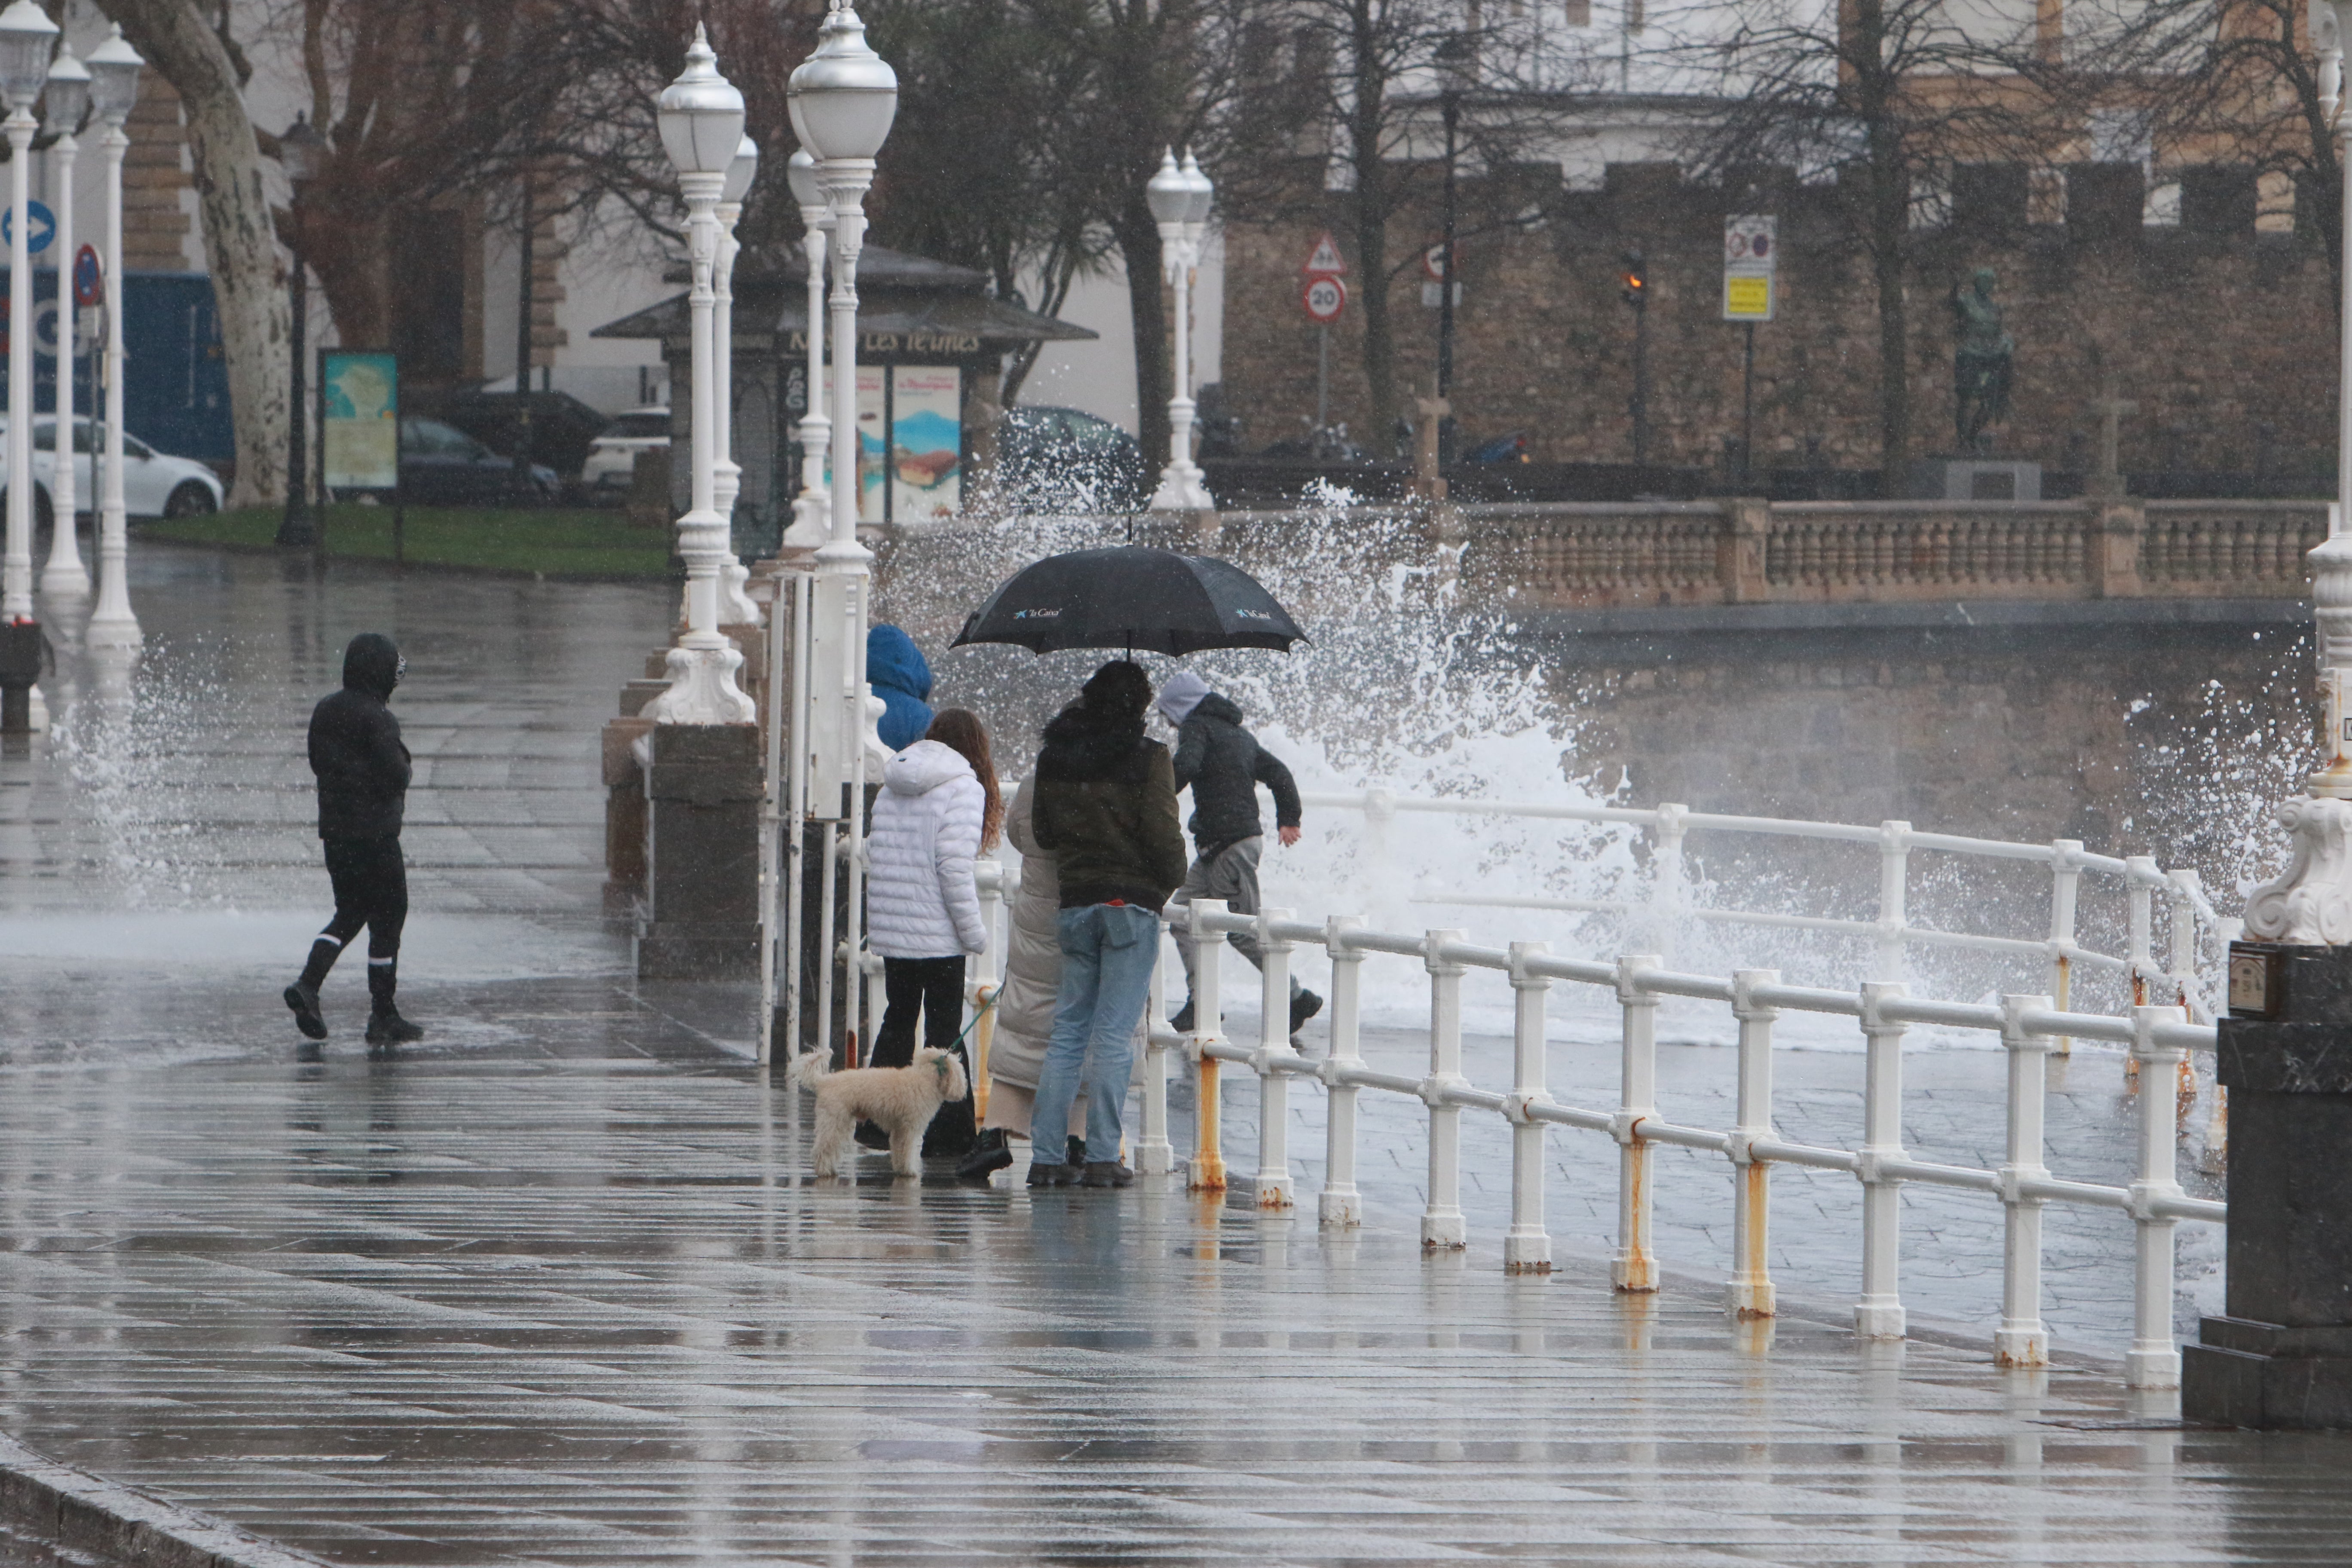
(551, 1289)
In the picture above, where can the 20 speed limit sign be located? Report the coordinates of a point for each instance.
(1324, 298)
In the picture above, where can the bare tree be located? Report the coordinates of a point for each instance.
(182, 40)
(1890, 95)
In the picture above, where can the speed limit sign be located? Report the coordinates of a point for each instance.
(1324, 298)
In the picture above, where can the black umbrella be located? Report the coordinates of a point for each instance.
(1132, 597)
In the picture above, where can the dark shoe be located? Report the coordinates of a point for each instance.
(1183, 1022)
(1077, 1153)
(989, 1154)
(1051, 1175)
(871, 1136)
(304, 1000)
(387, 1027)
(1303, 1005)
(1109, 1174)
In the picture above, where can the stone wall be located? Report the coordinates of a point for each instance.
(2224, 336)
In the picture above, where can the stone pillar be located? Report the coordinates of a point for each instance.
(1740, 550)
(703, 793)
(2282, 1357)
(2116, 526)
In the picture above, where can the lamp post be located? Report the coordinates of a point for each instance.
(1179, 200)
(735, 607)
(701, 119)
(302, 152)
(25, 35)
(114, 67)
(811, 507)
(66, 102)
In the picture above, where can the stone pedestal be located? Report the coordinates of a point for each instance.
(2283, 1355)
(1975, 478)
(702, 874)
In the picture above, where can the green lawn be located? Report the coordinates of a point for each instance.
(556, 542)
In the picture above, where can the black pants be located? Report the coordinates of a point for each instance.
(371, 882)
(933, 987)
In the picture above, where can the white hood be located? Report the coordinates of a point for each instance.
(923, 767)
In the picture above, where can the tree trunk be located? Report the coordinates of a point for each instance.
(1138, 246)
(1372, 282)
(240, 241)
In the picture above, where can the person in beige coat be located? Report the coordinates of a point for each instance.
(1024, 1008)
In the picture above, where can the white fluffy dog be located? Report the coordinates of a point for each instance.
(900, 1101)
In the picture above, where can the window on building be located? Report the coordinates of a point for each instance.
(1578, 13)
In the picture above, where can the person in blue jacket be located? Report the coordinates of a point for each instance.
(895, 669)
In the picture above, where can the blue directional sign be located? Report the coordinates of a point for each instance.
(44, 229)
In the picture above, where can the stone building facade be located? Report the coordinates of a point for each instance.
(2222, 334)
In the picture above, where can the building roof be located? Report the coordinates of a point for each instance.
(897, 293)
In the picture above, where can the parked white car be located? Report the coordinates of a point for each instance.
(154, 484)
(612, 455)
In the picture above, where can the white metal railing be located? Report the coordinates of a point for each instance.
(2199, 936)
(2157, 1037)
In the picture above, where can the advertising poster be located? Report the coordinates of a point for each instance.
(926, 442)
(359, 441)
(872, 426)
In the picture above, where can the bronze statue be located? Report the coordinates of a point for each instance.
(1982, 356)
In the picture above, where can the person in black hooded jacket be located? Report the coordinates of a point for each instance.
(363, 772)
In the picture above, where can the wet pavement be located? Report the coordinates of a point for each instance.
(552, 1288)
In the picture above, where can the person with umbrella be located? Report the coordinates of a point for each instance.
(1223, 765)
(1106, 811)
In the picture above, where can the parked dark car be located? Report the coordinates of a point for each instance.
(1063, 460)
(440, 464)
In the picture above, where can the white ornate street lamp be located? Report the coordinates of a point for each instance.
(2311, 903)
(735, 607)
(1179, 200)
(811, 507)
(843, 98)
(701, 117)
(66, 100)
(114, 67)
(26, 36)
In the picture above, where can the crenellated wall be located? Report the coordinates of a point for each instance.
(2224, 336)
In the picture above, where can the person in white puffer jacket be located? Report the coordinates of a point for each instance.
(939, 809)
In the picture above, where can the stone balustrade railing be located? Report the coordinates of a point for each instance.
(1744, 551)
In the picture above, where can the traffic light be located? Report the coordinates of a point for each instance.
(1635, 278)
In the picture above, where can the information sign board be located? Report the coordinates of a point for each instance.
(1751, 255)
(359, 426)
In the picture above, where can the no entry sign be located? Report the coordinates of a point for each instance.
(1324, 298)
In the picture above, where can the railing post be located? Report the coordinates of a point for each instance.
(2154, 1360)
(1527, 1246)
(2139, 943)
(1274, 1048)
(1893, 883)
(1207, 1172)
(2185, 888)
(1441, 1222)
(1154, 1154)
(1636, 1266)
(1339, 1204)
(2066, 881)
(1749, 1292)
(1666, 879)
(1879, 1314)
(2021, 1341)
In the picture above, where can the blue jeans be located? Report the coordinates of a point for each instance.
(1108, 952)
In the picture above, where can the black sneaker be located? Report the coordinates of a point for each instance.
(387, 1027)
(1051, 1175)
(1303, 1005)
(1109, 1174)
(871, 1136)
(989, 1154)
(304, 1000)
(1183, 1022)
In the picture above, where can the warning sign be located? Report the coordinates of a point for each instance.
(1324, 262)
